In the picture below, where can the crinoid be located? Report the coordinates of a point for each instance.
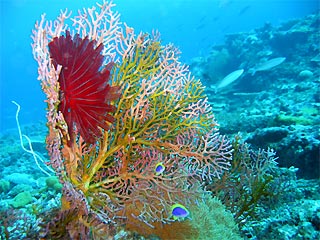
(85, 94)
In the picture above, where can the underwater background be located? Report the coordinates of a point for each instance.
(193, 26)
(274, 102)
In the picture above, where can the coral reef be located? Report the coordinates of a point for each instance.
(106, 140)
(276, 108)
(147, 140)
(250, 180)
(211, 212)
(279, 107)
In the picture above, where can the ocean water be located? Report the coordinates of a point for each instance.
(260, 64)
(193, 26)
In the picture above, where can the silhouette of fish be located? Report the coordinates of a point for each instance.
(267, 65)
(244, 10)
(230, 78)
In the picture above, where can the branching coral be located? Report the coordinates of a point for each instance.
(162, 117)
(248, 182)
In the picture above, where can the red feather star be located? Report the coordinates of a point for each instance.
(85, 94)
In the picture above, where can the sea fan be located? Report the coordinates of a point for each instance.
(85, 94)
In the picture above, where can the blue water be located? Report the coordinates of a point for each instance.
(192, 25)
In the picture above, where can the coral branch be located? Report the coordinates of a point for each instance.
(109, 163)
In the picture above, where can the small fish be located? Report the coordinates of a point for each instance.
(215, 19)
(159, 168)
(243, 10)
(203, 18)
(200, 26)
(179, 212)
(267, 65)
(230, 78)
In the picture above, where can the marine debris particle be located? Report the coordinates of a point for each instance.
(267, 65)
(230, 78)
